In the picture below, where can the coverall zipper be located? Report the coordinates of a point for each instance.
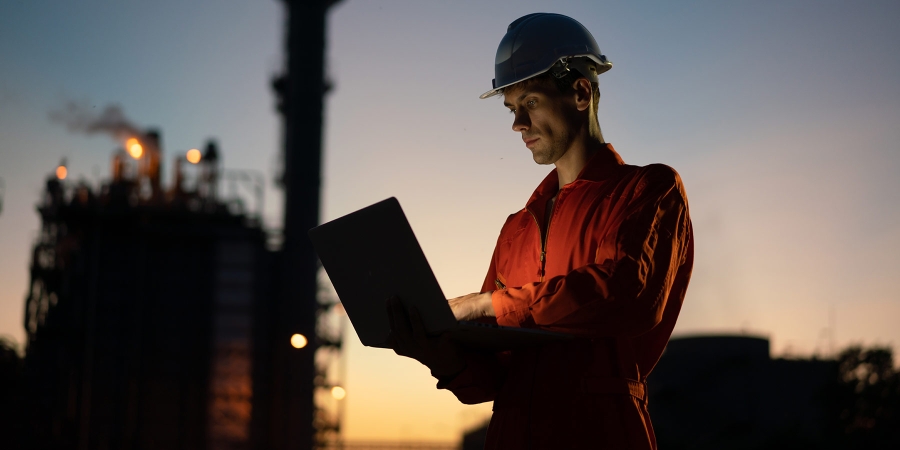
(546, 233)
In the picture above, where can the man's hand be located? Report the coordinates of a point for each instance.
(472, 306)
(408, 338)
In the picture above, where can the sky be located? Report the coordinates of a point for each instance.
(782, 117)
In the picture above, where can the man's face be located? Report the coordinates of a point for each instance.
(545, 118)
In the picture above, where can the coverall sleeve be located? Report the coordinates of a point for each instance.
(623, 295)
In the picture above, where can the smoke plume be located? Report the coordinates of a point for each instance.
(78, 117)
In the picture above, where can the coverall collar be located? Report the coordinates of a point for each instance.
(603, 164)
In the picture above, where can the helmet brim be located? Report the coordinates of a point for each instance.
(602, 67)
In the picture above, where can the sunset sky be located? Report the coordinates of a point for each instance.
(782, 117)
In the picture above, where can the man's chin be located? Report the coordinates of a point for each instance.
(541, 158)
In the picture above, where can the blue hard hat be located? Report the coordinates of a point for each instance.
(538, 42)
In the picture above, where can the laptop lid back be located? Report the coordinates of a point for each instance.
(372, 254)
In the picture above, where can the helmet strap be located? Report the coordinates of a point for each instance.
(583, 66)
(561, 68)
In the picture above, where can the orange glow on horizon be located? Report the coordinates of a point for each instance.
(134, 148)
(61, 172)
(193, 156)
(298, 341)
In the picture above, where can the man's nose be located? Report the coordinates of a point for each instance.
(521, 122)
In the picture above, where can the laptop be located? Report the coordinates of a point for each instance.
(372, 254)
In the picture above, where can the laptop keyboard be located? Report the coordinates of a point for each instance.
(480, 324)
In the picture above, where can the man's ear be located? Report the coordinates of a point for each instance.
(583, 93)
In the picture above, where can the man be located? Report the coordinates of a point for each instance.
(602, 250)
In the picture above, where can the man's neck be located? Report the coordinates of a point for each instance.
(573, 161)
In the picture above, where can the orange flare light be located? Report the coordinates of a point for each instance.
(134, 148)
(193, 156)
(298, 341)
(61, 172)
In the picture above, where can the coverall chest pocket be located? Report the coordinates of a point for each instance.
(511, 257)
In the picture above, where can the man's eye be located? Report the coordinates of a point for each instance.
(512, 111)
(531, 103)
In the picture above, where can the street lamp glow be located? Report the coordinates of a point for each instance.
(134, 148)
(193, 156)
(338, 392)
(298, 341)
(61, 172)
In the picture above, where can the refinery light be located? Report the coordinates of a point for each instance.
(338, 392)
(298, 341)
(193, 156)
(134, 148)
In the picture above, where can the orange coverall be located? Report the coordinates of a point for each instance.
(612, 267)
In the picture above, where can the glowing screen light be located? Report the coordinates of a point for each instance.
(338, 392)
(193, 156)
(298, 341)
(134, 148)
(61, 172)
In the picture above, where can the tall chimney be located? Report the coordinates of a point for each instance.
(153, 150)
(301, 91)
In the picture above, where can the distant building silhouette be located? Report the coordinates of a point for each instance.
(158, 319)
(475, 438)
(147, 315)
(725, 392)
(11, 398)
(718, 392)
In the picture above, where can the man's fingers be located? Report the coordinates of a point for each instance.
(400, 327)
(460, 307)
(392, 339)
(388, 304)
(391, 342)
(455, 308)
(418, 327)
(472, 306)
